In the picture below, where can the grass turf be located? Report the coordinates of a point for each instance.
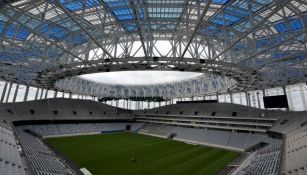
(111, 154)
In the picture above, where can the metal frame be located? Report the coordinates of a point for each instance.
(249, 44)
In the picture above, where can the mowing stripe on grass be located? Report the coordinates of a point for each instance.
(107, 154)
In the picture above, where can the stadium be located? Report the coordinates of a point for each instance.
(153, 87)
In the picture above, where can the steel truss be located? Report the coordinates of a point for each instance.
(244, 44)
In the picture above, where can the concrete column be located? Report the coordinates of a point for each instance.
(36, 94)
(70, 95)
(241, 101)
(15, 93)
(26, 93)
(130, 104)
(231, 97)
(283, 90)
(63, 94)
(258, 100)
(46, 94)
(289, 97)
(8, 93)
(41, 95)
(303, 97)
(246, 97)
(249, 99)
(3, 92)
(55, 94)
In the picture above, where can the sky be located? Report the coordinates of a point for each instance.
(139, 77)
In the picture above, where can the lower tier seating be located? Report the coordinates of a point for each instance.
(42, 160)
(10, 161)
(262, 162)
(294, 153)
(66, 129)
(224, 139)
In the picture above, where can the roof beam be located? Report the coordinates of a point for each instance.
(44, 37)
(291, 37)
(4, 3)
(139, 27)
(274, 11)
(75, 20)
(197, 27)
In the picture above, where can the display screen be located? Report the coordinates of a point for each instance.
(279, 101)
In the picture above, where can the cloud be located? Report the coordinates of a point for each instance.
(139, 77)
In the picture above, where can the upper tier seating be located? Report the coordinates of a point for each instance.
(10, 161)
(61, 109)
(218, 116)
(289, 122)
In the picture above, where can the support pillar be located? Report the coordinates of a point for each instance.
(8, 93)
(46, 94)
(55, 94)
(3, 92)
(289, 97)
(246, 97)
(231, 97)
(36, 94)
(26, 94)
(130, 103)
(258, 100)
(249, 99)
(303, 97)
(15, 93)
(42, 92)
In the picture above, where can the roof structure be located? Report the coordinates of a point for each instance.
(238, 44)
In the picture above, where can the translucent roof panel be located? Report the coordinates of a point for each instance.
(220, 1)
(225, 19)
(290, 25)
(76, 5)
(13, 31)
(123, 11)
(164, 12)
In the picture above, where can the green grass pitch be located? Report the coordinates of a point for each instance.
(111, 154)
